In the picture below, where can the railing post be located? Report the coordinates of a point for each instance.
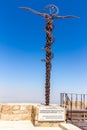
(81, 102)
(76, 101)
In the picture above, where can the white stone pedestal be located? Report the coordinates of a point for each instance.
(51, 115)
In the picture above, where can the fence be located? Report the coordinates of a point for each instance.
(73, 100)
(76, 108)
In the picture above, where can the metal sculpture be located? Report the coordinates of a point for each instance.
(49, 17)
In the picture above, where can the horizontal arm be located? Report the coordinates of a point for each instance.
(33, 11)
(67, 16)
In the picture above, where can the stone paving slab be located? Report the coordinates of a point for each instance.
(68, 126)
(22, 125)
(27, 125)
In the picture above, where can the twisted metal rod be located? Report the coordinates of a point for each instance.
(53, 14)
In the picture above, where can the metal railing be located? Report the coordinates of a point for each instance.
(73, 100)
(76, 108)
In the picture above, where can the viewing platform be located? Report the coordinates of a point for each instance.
(76, 108)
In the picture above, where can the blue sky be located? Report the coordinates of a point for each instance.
(22, 74)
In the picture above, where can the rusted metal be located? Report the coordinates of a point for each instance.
(49, 17)
(79, 105)
(77, 112)
(76, 102)
(73, 99)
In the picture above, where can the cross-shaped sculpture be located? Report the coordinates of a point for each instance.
(49, 17)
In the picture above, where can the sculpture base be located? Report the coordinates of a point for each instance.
(49, 116)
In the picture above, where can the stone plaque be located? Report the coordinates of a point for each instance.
(51, 114)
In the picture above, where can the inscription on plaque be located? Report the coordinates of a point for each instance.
(51, 114)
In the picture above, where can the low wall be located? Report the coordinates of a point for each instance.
(15, 111)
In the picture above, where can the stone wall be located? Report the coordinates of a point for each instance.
(15, 111)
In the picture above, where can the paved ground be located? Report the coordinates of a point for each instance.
(69, 126)
(22, 125)
(27, 125)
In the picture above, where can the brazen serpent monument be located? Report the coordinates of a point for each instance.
(50, 13)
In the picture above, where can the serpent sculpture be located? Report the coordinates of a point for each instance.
(50, 13)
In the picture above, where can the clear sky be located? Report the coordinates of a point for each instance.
(22, 74)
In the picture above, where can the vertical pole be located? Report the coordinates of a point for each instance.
(71, 107)
(71, 101)
(61, 99)
(76, 101)
(49, 28)
(84, 100)
(81, 101)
